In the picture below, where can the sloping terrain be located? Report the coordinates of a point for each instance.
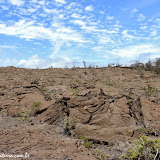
(43, 112)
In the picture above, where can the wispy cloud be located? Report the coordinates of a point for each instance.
(126, 35)
(17, 2)
(80, 28)
(141, 17)
(89, 8)
(29, 30)
(61, 1)
(134, 10)
(110, 17)
(135, 50)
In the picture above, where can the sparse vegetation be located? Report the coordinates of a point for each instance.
(67, 125)
(101, 155)
(143, 149)
(24, 115)
(109, 106)
(152, 66)
(146, 131)
(75, 91)
(86, 142)
(150, 91)
(36, 104)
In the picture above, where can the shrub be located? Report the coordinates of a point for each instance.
(143, 149)
(146, 131)
(150, 91)
(101, 155)
(67, 126)
(157, 66)
(24, 116)
(36, 104)
(137, 65)
(86, 142)
(149, 66)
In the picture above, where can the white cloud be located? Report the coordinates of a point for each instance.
(17, 2)
(105, 40)
(79, 22)
(89, 8)
(42, 2)
(32, 62)
(7, 46)
(110, 17)
(135, 50)
(61, 1)
(134, 10)
(92, 28)
(57, 48)
(34, 1)
(4, 7)
(141, 17)
(72, 5)
(153, 33)
(35, 61)
(28, 30)
(98, 48)
(78, 16)
(49, 11)
(143, 27)
(126, 35)
(32, 10)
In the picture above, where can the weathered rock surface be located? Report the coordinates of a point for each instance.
(108, 105)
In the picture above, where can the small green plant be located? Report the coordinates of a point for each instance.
(36, 104)
(146, 131)
(143, 149)
(75, 91)
(101, 155)
(36, 109)
(86, 142)
(67, 125)
(24, 116)
(150, 91)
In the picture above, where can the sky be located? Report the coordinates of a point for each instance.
(64, 33)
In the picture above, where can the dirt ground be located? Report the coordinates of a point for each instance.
(44, 112)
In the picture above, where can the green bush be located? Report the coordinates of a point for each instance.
(36, 104)
(24, 116)
(101, 155)
(86, 142)
(151, 91)
(143, 149)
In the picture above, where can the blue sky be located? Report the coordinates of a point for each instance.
(60, 33)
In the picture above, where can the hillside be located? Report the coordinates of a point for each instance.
(44, 112)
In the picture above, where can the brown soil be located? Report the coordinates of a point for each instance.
(42, 112)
